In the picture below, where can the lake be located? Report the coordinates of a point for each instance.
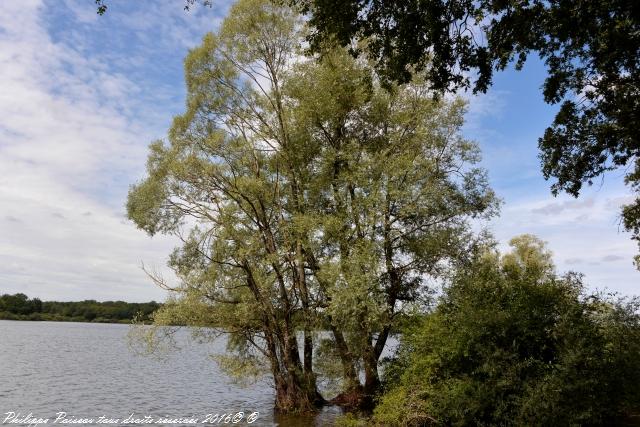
(88, 371)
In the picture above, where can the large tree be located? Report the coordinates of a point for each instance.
(227, 178)
(307, 197)
(393, 185)
(591, 49)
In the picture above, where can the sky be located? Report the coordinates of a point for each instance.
(82, 96)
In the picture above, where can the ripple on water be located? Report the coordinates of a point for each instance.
(88, 370)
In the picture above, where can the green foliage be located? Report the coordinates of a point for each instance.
(244, 370)
(351, 420)
(591, 49)
(20, 307)
(306, 195)
(511, 343)
(226, 185)
(19, 304)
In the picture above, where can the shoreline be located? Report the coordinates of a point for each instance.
(30, 318)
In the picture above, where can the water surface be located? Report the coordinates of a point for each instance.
(88, 370)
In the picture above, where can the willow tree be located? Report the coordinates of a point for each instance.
(392, 187)
(306, 197)
(227, 186)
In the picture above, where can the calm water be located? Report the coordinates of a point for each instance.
(87, 370)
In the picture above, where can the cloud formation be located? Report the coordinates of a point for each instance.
(82, 96)
(74, 128)
(556, 208)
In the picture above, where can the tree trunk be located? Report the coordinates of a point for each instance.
(296, 392)
(371, 377)
(296, 389)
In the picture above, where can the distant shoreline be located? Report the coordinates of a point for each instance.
(31, 318)
(21, 307)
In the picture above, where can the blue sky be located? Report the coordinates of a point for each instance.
(81, 96)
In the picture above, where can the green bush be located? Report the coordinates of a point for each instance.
(511, 343)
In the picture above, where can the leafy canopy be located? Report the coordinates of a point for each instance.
(306, 196)
(513, 343)
(591, 49)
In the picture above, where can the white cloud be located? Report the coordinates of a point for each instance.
(68, 149)
(74, 125)
(557, 207)
(584, 234)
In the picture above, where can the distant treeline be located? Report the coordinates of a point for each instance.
(21, 307)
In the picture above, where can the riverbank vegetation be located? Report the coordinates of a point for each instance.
(21, 307)
(311, 194)
(513, 343)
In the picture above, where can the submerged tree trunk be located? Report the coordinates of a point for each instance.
(295, 395)
(296, 390)
(351, 396)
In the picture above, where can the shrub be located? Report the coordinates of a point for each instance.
(512, 343)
